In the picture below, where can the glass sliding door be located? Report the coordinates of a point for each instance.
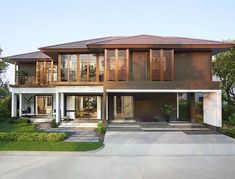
(44, 105)
(88, 107)
(123, 107)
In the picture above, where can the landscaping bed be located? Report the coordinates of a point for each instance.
(21, 135)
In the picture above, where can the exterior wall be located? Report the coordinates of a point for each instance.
(193, 66)
(149, 105)
(212, 108)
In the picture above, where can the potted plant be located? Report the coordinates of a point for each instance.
(167, 110)
(22, 76)
(28, 102)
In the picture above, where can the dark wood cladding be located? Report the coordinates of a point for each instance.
(162, 85)
(193, 66)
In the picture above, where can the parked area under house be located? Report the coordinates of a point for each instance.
(91, 105)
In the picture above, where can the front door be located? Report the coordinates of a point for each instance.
(123, 107)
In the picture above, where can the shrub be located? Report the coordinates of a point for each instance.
(32, 137)
(156, 118)
(54, 124)
(228, 131)
(231, 119)
(101, 128)
(22, 120)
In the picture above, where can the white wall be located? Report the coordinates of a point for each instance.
(212, 108)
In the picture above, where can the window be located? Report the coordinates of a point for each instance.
(122, 65)
(111, 64)
(88, 67)
(156, 65)
(68, 67)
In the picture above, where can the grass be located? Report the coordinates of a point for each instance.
(49, 146)
(5, 126)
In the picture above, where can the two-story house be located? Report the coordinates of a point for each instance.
(118, 78)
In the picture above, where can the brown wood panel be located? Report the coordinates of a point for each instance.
(127, 65)
(59, 68)
(192, 66)
(199, 84)
(150, 64)
(139, 66)
(161, 64)
(78, 68)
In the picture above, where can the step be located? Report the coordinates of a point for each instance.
(79, 125)
(123, 125)
(124, 121)
(124, 129)
(174, 129)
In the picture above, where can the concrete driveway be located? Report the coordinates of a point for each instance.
(131, 155)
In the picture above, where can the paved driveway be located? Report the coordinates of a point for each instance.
(131, 155)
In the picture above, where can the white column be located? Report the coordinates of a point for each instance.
(177, 106)
(13, 104)
(212, 108)
(107, 108)
(62, 105)
(57, 107)
(98, 107)
(20, 104)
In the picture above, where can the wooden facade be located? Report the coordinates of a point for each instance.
(127, 67)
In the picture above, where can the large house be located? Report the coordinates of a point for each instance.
(117, 78)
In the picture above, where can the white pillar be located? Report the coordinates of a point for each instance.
(107, 109)
(177, 106)
(57, 107)
(62, 104)
(98, 107)
(212, 108)
(20, 104)
(13, 104)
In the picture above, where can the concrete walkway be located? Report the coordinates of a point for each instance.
(131, 155)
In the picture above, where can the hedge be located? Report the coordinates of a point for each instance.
(32, 137)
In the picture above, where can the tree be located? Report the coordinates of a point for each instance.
(4, 90)
(224, 68)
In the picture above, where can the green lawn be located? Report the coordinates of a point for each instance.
(229, 131)
(49, 146)
(5, 126)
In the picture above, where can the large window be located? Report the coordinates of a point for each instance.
(88, 67)
(162, 65)
(68, 67)
(117, 65)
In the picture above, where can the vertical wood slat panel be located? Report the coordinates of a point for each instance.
(78, 68)
(52, 76)
(68, 69)
(116, 65)
(44, 73)
(88, 71)
(172, 66)
(127, 65)
(150, 64)
(36, 74)
(59, 69)
(97, 68)
(106, 75)
(161, 64)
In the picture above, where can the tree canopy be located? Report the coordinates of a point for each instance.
(4, 90)
(224, 68)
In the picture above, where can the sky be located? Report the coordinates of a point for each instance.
(26, 25)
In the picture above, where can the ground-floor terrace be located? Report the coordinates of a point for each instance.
(93, 103)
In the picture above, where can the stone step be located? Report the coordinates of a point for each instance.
(174, 129)
(123, 125)
(123, 129)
